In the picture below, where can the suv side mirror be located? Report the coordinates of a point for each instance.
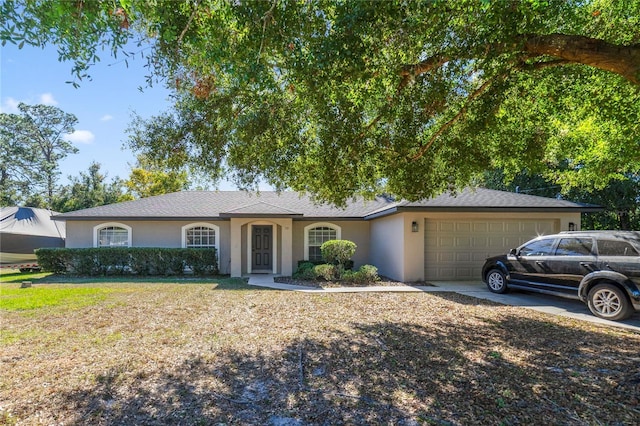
(513, 252)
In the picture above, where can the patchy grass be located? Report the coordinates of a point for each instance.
(22, 299)
(221, 352)
(15, 276)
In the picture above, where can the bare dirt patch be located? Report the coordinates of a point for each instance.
(207, 354)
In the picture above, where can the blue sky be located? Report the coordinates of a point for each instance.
(103, 105)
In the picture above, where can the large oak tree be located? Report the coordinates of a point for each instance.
(338, 98)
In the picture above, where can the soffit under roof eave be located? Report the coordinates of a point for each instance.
(261, 215)
(577, 209)
(138, 218)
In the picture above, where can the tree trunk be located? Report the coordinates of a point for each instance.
(621, 60)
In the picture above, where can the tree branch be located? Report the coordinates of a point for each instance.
(541, 65)
(568, 49)
(409, 72)
(267, 16)
(193, 15)
(480, 90)
(618, 59)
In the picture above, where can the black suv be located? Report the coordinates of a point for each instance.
(601, 268)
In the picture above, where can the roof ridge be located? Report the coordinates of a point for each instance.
(244, 206)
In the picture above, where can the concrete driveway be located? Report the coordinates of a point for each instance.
(539, 302)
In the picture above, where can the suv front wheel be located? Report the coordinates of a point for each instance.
(609, 302)
(496, 281)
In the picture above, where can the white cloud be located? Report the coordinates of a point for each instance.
(106, 117)
(81, 136)
(47, 99)
(9, 106)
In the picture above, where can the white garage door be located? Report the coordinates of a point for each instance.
(457, 249)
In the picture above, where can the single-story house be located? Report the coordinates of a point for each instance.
(444, 238)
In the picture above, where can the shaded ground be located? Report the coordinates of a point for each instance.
(320, 283)
(207, 354)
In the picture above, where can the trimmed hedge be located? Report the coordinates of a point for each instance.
(128, 261)
(302, 263)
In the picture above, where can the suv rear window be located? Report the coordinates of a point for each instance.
(616, 248)
(574, 247)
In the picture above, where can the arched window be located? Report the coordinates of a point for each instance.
(201, 235)
(316, 234)
(112, 235)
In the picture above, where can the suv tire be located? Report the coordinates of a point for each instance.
(609, 302)
(496, 281)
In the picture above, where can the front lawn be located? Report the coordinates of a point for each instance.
(220, 352)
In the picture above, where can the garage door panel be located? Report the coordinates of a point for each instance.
(446, 226)
(479, 241)
(463, 227)
(446, 242)
(456, 250)
(462, 242)
(496, 226)
(480, 227)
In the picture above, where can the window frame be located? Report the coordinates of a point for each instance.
(552, 247)
(101, 226)
(215, 228)
(564, 249)
(315, 225)
(601, 242)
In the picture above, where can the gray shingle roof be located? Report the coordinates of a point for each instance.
(482, 199)
(210, 204)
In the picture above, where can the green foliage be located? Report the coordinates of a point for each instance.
(338, 252)
(326, 271)
(305, 271)
(128, 260)
(89, 189)
(338, 98)
(369, 273)
(31, 148)
(148, 178)
(366, 274)
(619, 198)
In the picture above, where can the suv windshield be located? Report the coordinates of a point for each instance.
(538, 248)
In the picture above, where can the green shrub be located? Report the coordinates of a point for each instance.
(53, 260)
(305, 271)
(368, 273)
(128, 261)
(338, 252)
(365, 275)
(326, 271)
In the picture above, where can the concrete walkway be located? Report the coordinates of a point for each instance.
(538, 302)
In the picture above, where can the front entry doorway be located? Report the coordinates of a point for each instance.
(262, 249)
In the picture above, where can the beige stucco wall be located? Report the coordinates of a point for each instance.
(385, 242)
(388, 246)
(399, 253)
(150, 234)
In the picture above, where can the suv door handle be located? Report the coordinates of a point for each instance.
(539, 262)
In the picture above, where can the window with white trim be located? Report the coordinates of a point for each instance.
(200, 237)
(112, 235)
(317, 234)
